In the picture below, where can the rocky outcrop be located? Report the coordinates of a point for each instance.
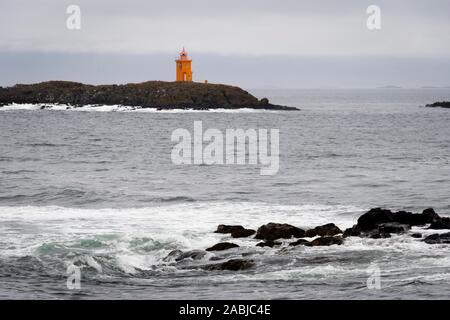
(438, 238)
(273, 231)
(152, 94)
(222, 246)
(232, 265)
(378, 222)
(442, 104)
(442, 223)
(329, 229)
(223, 228)
(374, 217)
(242, 233)
(236, 231)
(320, 241)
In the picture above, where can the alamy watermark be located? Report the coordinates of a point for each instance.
(374, 280)
(374, 20)
(235, 147)
(74, 277)
(73, 21)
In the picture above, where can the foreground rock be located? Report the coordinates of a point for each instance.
(443, 223)
(374, 217)
(377, 222)
(273, 231)
(151, 94)
(222, 246)
(443, 104)
(438, 238)
(329, 229)
(223, 228)
(320, 241)
(242, 233)
(232, 265)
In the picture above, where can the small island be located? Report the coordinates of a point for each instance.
(184, 93)
(160, 95)
(443, 104)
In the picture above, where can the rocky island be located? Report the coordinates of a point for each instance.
(443, 104)
(152, 94)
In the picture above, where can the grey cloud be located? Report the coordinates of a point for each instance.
(299, 43)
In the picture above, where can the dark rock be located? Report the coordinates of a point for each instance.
(152, 94)
(222, 246)
(442, 223)
(393, 227)
(416, 219)
(268, 243)
(223, 228)
(274, 231)
(329, 229)
(430, 215)
(438, 238)
(264, 101)
(242, 233)
(300, 242)
(416, 235)
(326, 241)
(379, 223)
(374, 217)
(371, 219)
(352, 232)
(233, 265)
(443, 104)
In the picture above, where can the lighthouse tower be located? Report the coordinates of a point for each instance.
(184, 69)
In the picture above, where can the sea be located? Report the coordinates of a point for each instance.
(91, 204)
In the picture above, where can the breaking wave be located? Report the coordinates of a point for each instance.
(117, 108)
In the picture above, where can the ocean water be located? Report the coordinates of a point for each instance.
(95, 188)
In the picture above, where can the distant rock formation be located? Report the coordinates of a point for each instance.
(443, 104)
(151, 94)
(390, 87)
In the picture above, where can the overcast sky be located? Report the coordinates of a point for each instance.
(253, 43)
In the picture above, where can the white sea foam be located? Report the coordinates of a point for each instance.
(140, 238)
(190, 225)
(117, 108)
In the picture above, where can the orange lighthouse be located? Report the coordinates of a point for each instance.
(184, 69)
